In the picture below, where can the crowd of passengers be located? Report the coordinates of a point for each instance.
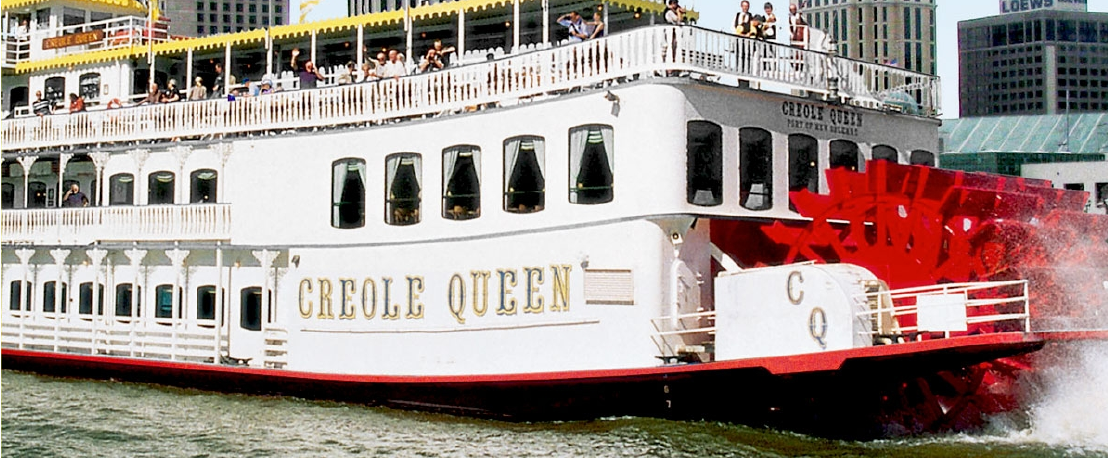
(391, 63)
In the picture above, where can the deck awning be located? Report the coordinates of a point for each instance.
(132, 5)
(210, 42)
(85, 58)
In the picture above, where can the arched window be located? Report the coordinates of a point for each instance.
(8, 200)
(704, 163)
(921, 157)
(123, 304)
(348, 193)
(403, 188)
(54, 89)
(251, 301)
(755, 168)
(89, 86)
(121, 189)
(85, 299)
(51, 299)
(202, 184)
(205, 302)
(461, 182)
(36, 191)
(524, 174)
(163, 301)
(591, 161)
(803, 163)
(845, 153)
(160, 189)
(885, 153)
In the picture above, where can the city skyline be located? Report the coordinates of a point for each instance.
(719, 15)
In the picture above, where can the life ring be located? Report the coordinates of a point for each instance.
(114, 103)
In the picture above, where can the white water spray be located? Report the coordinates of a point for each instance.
(1071, 410)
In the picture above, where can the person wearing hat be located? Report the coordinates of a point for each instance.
(266, 87)
(198, 91)
(675, 14)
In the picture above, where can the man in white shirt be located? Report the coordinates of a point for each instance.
(675, 15)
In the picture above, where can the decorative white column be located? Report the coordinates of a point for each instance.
(219, 305)
(360, 46)
(139, 156)
(606, 5)
(515, 26)
(227, 68)
(26, 162)
(63, 159)
(460, 47)
(546, 22)
(24, 255)
(181, 154)
(177, 258)
(266, 258)
(313, 49)
(59, 256)
(136, 256)
(96, 255)
(224, 150)
(100, 160)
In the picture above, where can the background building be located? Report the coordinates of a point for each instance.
(1041, 60)
(196, 18)
(896, 32)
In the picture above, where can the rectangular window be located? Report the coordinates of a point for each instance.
(704, 163)
(845, 154)
(803, 163)
(1050, 30)
(205, 302)
(524, 174)
(755, 168)
(461, 182)
(51, 299)
(85, 299)
(403, 188)
(348, 193)
(124, 305)
(591, 164)
(163, 301)
(250, 300)
(16, 292)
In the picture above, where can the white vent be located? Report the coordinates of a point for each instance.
(609, 287)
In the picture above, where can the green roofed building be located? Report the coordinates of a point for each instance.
(1033, 146)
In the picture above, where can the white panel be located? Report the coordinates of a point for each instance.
(941, 312)
(610, 287)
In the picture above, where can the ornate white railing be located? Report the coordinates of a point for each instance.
(645, 52)
(170, 339)
(119, 32)
(142, 223)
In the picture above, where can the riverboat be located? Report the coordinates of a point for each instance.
(541, 230)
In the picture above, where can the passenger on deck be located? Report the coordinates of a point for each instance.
(743, 18)
(798, 28)
(576, 25)
(349, 75)
(74, 197)
(198, 91)
(41, 106)
(394, 68)
(596, 26)
(752, 29)
(769, 27)
(218, 84)
(306, 71)
(23, 32)
(434, 60)
(675, 14)
(266, 87)
(172, 94)
(152, 97)
(76, 103)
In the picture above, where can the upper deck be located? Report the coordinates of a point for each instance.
(636, 54)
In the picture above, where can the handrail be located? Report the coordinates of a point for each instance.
(119, 32)
(122, 222)
(986, 303)
(642, 52)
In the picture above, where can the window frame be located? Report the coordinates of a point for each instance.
(699, 161)
(450, 211)
(393, 217)
(338, 194)
(605, 192)
(510, 194)
(746, 181)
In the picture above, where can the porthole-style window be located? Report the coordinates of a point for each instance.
(160, 190)
(803, 163)
(348, 193)
(123, 304)
(51, 299)
(202, 184)
(845, 154)
(251, 306)
(885, 153)
(163, 301)
(205, 302)
(524, 174)
(121, 189)
(755, 168)
(461, 182)
(403, 187)
(85, 304)
(921, 157)
(591, 161)
(704, 163)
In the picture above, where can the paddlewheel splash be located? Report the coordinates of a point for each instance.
(918, 225)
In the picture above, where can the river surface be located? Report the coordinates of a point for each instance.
(58, 417)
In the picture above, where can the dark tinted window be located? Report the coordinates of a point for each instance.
(348, 193)
(163, 301)
(921, 157)
(524, 176)
(755, 168)
(403, 188)
(16, 294)
(461, 182)
(51, 300)
(123, 301)
(885, 153)
(160, 189)
(121, 189)
(845, 153)
(85, 299)
(251, 301)
(704, 163)
(591, 158)
(205, 302)
(203, 185)
(803, 163)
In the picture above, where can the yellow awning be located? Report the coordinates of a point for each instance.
(209, 42)
(90, 57)
(133, 5)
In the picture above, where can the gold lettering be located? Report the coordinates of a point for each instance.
(534, 299)
(325, 310)
(415, 309)
(456, 297)
(305, 288)
(346, 308)
(560, 273)
(389, 311)
(369, 298)
(507, 304)
(483, 291)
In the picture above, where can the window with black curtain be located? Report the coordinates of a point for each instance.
(704, 163)
(524, 174)
(348, 193)
(755, 168)
(461, 182)
(803, 163)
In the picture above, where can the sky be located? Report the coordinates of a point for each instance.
(719, 14)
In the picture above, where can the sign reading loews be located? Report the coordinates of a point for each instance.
(1019, 6)
(73, 39)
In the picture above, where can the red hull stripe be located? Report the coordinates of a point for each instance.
(782, 365)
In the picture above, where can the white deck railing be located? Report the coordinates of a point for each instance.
(642, 52)
(169, 339)
(142, 223)
(989, 307)
(119, 32)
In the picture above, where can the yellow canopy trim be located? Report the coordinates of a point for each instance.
(132, 5)
(91, 57)
(209, 42)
